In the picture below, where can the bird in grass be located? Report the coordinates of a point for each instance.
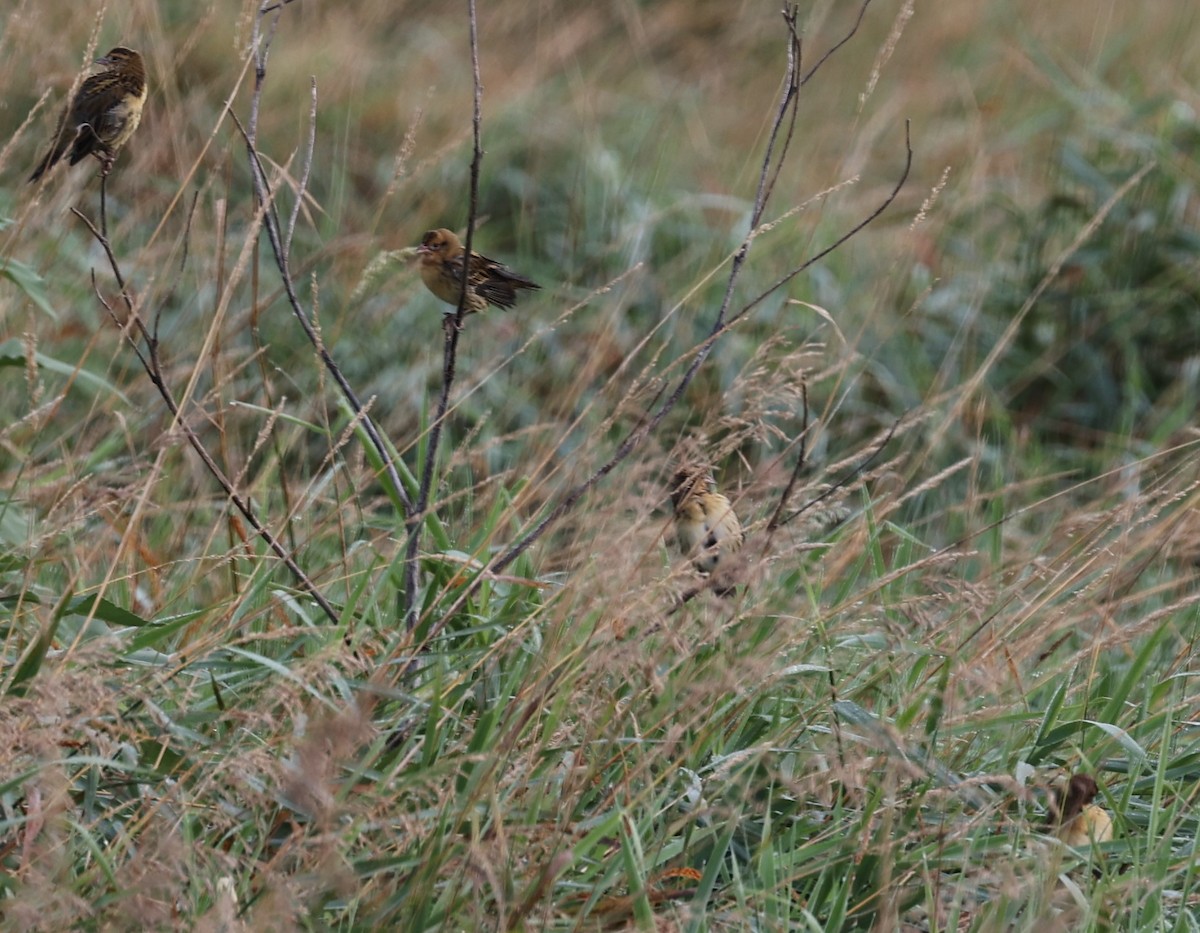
(103, 114)
(1074, 818)
(488, 282)
(706, 527)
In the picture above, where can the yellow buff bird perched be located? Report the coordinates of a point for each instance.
(103, 114)
(706, 527)
(488, 282)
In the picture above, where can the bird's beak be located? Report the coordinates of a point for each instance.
(103, 60)
(423, 249)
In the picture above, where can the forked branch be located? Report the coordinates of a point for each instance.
(133, 328)
(280, 248)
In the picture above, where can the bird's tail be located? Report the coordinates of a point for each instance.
(44, 166)
(58, 146)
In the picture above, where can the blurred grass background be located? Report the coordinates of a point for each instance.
(1012, 582)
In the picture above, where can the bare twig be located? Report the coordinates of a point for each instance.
(452, 325)
(778, 522)
(476, 162)
(183, 258)
(266, 198)
(302, 188)
(791, 88)
(774, 521)
(817, 257)
(104, 202)
(794, 82)
(134, 327)
(862, 11)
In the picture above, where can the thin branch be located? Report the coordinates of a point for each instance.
(476, 162)
(187, 244)
(813, 260)
(265, 198)
(794, 79)
(774, 522)
(302, 188)
(795, 58)
(862, 11)
(777, 522)
(153, 368)
(121, 325)
(452, 325)
(104, 202)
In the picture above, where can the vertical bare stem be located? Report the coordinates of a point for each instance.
(452, 325)
(104, 204)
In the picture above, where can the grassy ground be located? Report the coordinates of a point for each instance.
(864, 735)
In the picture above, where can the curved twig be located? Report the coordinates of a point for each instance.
(866, 221)
(266, 199)
(778, 519)
(801, 458)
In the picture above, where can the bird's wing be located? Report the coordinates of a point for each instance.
(110, 121)
(95, 96)
(497, 283)
(90, 115)
(112, 109)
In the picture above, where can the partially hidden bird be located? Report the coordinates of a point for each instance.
(102, 115)
(488, 282)
(706, 527)
(1074, 818)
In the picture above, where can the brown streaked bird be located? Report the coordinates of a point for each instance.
(103, 114)
(706, 527)
(488, 282)
(1074, 818)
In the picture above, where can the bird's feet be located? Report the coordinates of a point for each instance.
(107, 160)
